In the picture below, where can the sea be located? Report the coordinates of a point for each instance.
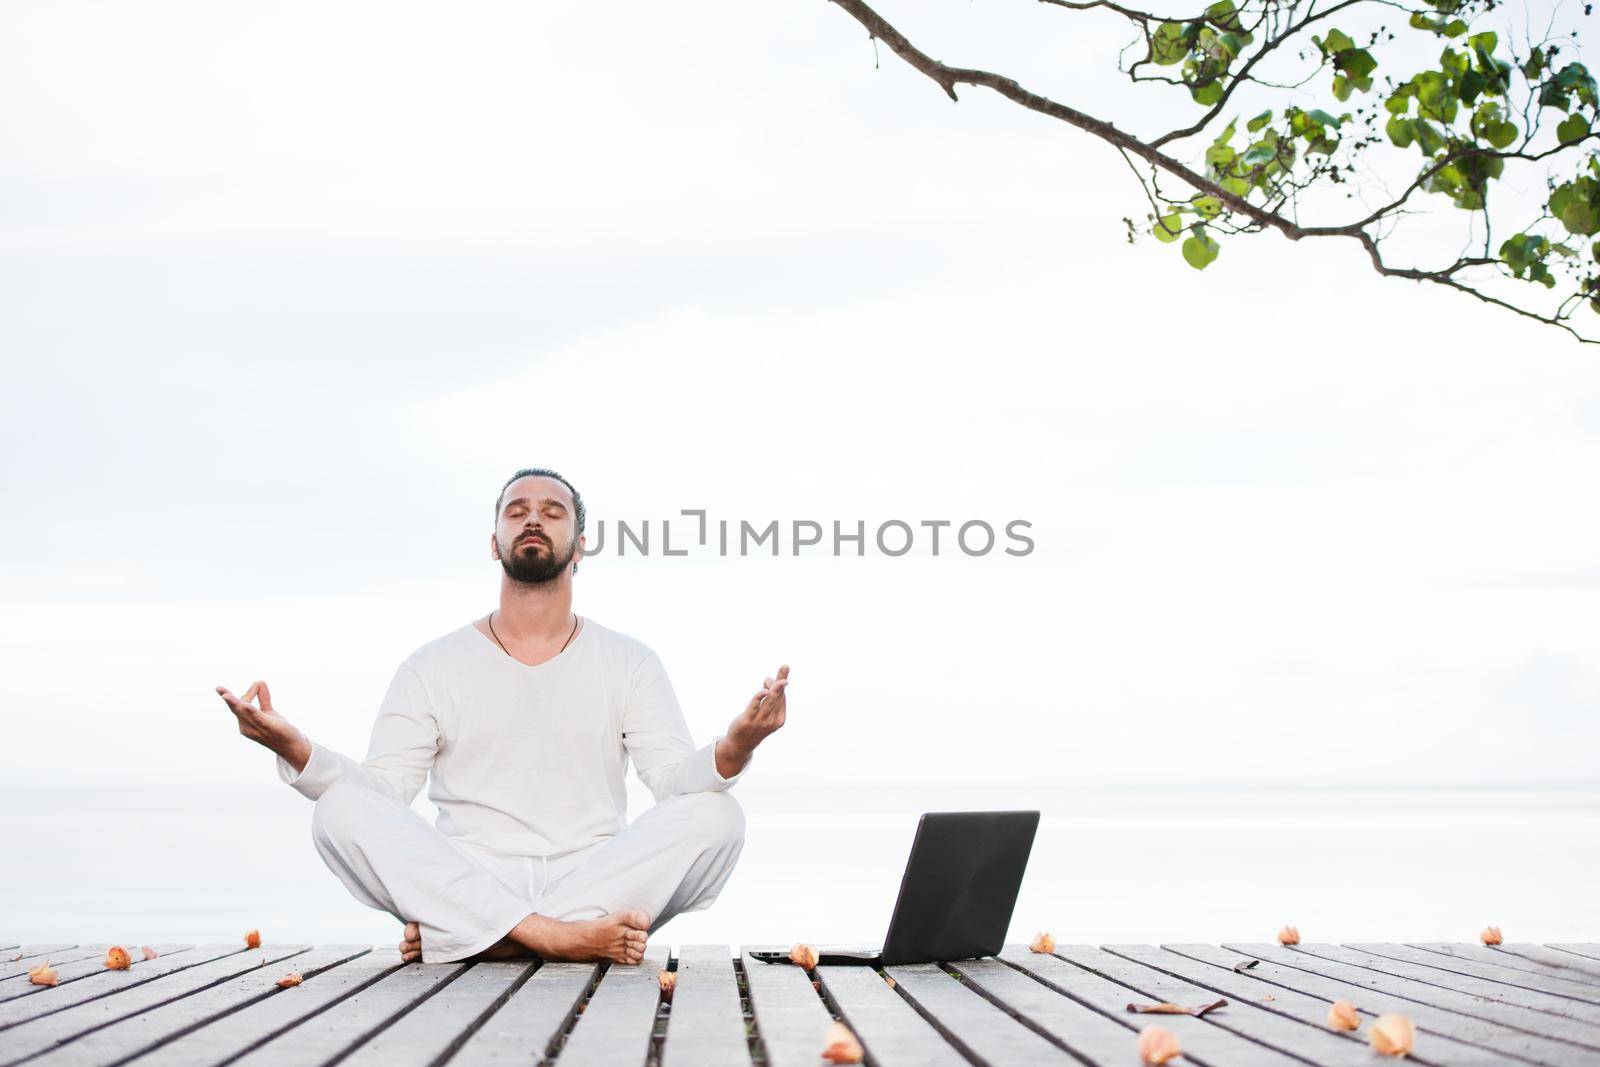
(167, 864)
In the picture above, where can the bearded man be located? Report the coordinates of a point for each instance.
(523, 723)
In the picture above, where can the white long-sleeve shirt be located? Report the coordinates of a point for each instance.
(526, 761)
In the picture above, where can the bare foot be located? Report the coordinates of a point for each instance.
(618, 937)
(411, 944)
(503, 949)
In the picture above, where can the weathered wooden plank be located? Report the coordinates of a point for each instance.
(53, 1028)
(1433, 1046)
(95, 981)
(1347, 965)
(223, 1038)
(1203, 1040)
(970, 1021)
(1468, 983)
(23, 958)
(132, 1032)
(706, 1023)
(1090, 1035)
(1577, 948)
(790, 1015)
(1506, 959)
(329, 1035)
(1254, 1019)
(527, 1025)
(1463, 962)
(888, 1027)
(89, 965)
(1588, 969)
(443, 1021)
(1457, 1022)
(616, 1025)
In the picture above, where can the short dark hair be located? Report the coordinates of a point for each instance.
(542, 472)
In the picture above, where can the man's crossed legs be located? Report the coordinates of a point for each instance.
(461, 902)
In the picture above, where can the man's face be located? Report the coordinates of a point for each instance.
(534, 536)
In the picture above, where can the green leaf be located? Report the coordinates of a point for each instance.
(1200, 249)
(1535, 64)
(1336, 42)
(1573, 128)
(1357, 63)
(1429, 139)
(1580, 217)
(1209, 207)
(1168, 228)
(1341, 87)
(1400, 131)
(1502, 134)
(1207, 94)
(1167, 45)
(1259, 121)
(1225, 14)
(1259, 153)
(1454, 28)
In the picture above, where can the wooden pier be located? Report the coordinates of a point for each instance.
(204, 1005)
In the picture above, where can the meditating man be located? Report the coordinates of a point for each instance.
(527, 719)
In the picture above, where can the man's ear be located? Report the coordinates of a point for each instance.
(494, 546)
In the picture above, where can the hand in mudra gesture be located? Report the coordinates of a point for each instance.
(764, 714)
(261, 724)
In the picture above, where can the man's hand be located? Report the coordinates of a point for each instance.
(764, 714)
(265, 726)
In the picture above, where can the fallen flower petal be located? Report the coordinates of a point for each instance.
(148, 952)
(1342, 1015)
(668, 981)
(1157, 1044)
(290, 979)
(803, 955)
(42, 974)
(1269, 996)
(1289, 936)
(1392, 1034)
(841, 1045)
(1491, 935)
(15, 958)
(1165, 1008)
(117, 958)
(1043, 943)
(253, 939)
(891, 981)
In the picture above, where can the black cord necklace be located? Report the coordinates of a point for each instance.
(507, 651)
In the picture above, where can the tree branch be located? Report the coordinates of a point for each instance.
(948, 77)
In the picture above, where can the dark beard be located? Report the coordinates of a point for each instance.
(528, 565)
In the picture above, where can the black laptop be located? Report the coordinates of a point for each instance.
(957, 894)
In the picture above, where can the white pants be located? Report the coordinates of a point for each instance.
(673, 858)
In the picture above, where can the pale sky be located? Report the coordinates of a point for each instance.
(287, 292)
